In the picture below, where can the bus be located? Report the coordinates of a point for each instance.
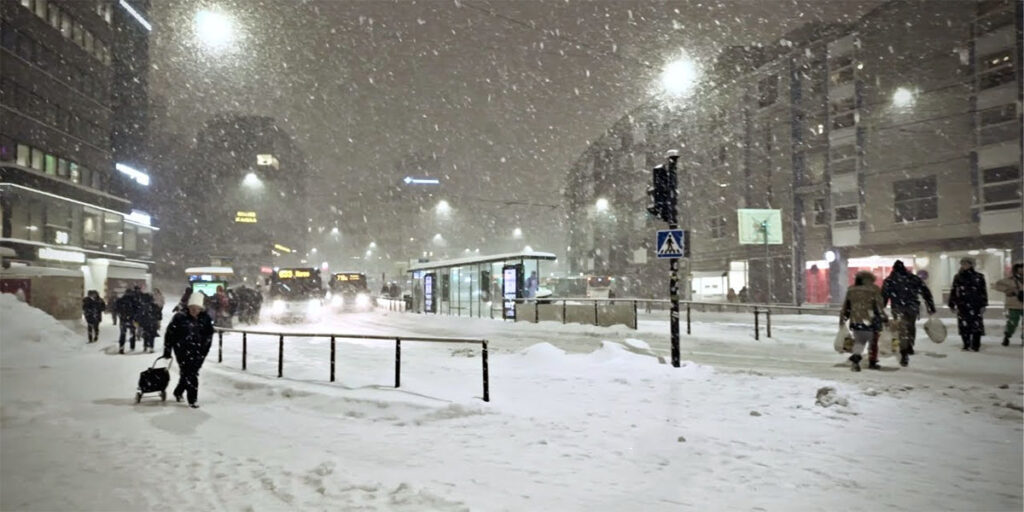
(295, 294)
(350, 292)
(208, 279)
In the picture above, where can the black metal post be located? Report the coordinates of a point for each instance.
(768, 321)
(398, 362)
(220, 346)
(673, 292)
(595, 312)
(563, 311)
(280, 357)
(757, 328)
(244, 343)
(332, 358)
(487, 393)
(636, 321)
(687, 318)
(536, 311)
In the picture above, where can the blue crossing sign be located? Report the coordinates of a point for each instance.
(670, 243)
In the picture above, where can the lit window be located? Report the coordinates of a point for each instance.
(50, 164)
(37, 159)
(24, 155)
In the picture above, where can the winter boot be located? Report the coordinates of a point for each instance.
(904, 359)
(874, 365)
(120, 350)
(856, 362)
(194, 405)
(1006, 341)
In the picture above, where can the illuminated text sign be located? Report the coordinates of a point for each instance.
(245, 217)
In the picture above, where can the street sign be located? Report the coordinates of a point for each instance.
(759, 226)
(670, 243)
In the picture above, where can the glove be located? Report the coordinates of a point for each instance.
(1020, 295)
(167, 354)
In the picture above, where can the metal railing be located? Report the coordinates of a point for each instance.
(334, 336)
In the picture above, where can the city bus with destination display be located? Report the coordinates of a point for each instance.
(349, 292)
(295, 294)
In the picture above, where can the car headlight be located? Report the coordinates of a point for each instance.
(278, 306)
(313, 306)
(362, 300)
(337, 301)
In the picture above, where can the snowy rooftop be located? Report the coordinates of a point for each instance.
(492, 258)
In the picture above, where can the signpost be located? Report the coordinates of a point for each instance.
(761, 226)
(670, 243)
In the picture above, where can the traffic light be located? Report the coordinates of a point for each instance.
(662, 194)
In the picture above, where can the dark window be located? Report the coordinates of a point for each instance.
(7, 149)
(820, 212)
(841, 76)
(847, 213)
(844, 121)
(988, 6)
(1001, 188)
(842, 106)
(915, 199)
(995, 22)
(999, 114)
(716, 227)
(996, 78)
(768, 91)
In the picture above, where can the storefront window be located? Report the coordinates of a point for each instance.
(92, 227)
(37, 159)
(130, 238)
(24, 155)
(113, 225)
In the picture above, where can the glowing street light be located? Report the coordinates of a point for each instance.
(902, 98)
(214, 29)
(443, 208)
(334, 230)
(373, 245)
(602, 204)
(251, 180)
(679, 76)
(517, 233)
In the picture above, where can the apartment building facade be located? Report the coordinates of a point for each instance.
(896, 136)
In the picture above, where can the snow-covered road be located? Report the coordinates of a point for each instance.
(576, 422)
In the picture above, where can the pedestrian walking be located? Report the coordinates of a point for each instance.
(900, 291)
(92, 309)
(1013, 287)
(127, 310)
(188, 337)
(969, 298)
(148, 319)
(864, 308)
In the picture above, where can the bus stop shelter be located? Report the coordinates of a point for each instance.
(476, 286)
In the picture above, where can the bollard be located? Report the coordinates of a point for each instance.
(487, 394)
(280, 357)
(595, 312)
(398, 361)
(220, 346)
(687, 318)
(244, 343)
(757, 330)
(563, 311)
(332, 358)
(768, 322)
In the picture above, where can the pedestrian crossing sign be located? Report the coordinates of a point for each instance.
(670, 243)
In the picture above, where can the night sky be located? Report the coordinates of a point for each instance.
(506, 100)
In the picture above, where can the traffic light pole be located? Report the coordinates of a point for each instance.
(673, 265)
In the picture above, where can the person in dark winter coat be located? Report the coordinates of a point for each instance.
(969, 298)
(148, 318)
(189, 336)
(92, 309)
(900, 291)
(1013, 287)
(864, 308)
(127, 309)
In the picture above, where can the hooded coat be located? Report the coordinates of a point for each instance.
(969, 297)
(189, 337)
(93, 308)
(1013, 287)
(901, 290)
(864, 306)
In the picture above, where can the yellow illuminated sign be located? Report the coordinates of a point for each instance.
(302, 273)
(348, 277)
(285, 274)
(293, 274)
(282, 248)
(245, 217)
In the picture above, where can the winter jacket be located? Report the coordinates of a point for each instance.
(189, 337)
(149, 316)
(127, 306)
(1013, 288)
(901, 289)
(92, 309)
(969, 298)
(864, 307)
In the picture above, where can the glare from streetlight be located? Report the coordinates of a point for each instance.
(679, 76)
(215, 30)
(251, 180)
(517, 233)
(602, 204)
(902, 98)
(334, 230)
(373, 245)
(443, 208)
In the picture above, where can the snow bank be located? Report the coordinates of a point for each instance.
(23, 324)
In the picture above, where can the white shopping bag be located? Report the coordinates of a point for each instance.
(840, 343)
(888, 341)
(935, 329)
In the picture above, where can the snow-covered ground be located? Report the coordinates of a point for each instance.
(580, 418)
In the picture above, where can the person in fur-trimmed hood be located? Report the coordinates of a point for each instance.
(969, 298)
(864, 308)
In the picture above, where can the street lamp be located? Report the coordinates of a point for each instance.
(517, 233)
(215, 30)
(679, 76)
(903, 98)
(601, 205)
(443, 208)
(252, 181)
